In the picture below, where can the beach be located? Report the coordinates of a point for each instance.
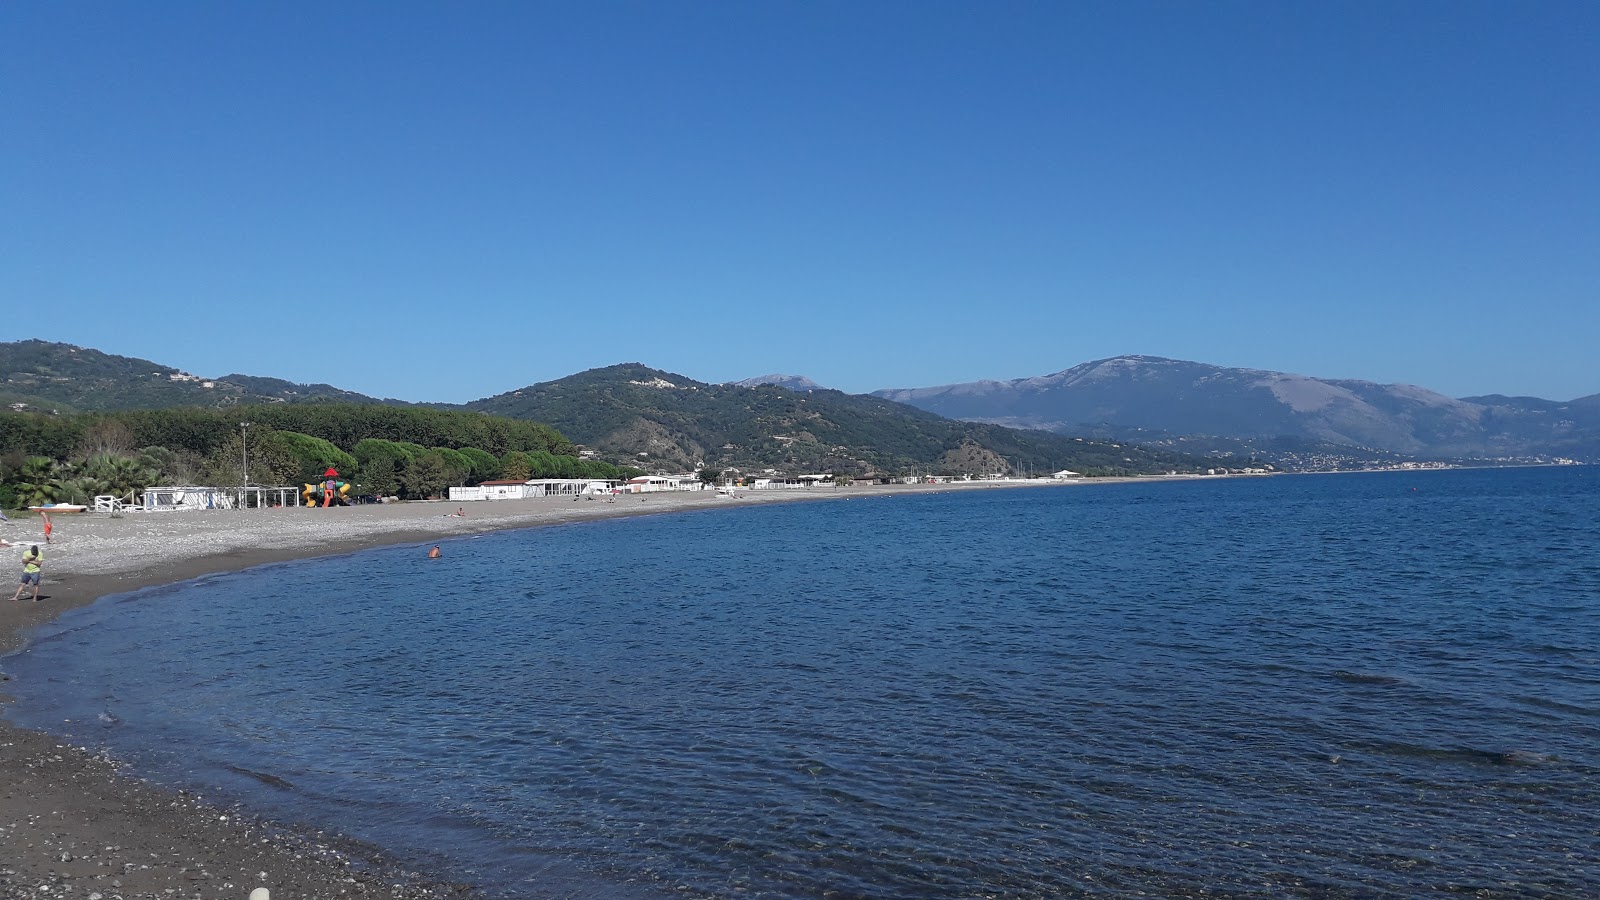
(73, 825)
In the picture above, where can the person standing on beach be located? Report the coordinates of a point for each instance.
(48, 526)
(32, 563)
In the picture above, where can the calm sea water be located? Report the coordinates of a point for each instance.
(1323, 685)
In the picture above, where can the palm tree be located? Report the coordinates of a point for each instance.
(39, 482)
(119, 476)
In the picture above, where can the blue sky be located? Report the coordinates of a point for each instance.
(447, 201)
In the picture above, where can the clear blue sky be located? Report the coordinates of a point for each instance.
(447, 201)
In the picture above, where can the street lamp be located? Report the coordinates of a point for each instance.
(244, 447)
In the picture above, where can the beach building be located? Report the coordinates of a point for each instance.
(504, 489)
(796, 483)
(568, 487)
(511, 489)
(649, 484)
(188, 496)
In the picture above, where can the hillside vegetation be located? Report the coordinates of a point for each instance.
(667, 420)
(410, 451)
(631, 414)
(63, 378)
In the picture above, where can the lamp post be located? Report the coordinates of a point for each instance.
(244, 448)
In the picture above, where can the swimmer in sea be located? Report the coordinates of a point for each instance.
(434, 553)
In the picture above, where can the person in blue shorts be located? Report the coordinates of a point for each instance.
(32, 564)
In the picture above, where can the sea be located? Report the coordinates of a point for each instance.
(1357, 685)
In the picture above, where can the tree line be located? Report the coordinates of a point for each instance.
(410, 452)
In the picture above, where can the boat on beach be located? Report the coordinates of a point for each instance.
(59, 508)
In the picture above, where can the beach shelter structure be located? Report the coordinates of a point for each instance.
(162, 499)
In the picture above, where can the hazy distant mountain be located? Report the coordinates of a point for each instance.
(792, 382)
(667, 420)
(640, 415)
(62, 377)
(1175, 411)
(1174, 397)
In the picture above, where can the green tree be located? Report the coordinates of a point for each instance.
(107, 436)
(36, 434)
(378, 476)
(38, 482)
(541, 464)
(372, 448)
(514, 466)
(118, 476)
(273, 459)
(426, 476)
(169, 466)
(456, 464)
(484, 465)
(380, 464)
(709, 476)
(312, 455)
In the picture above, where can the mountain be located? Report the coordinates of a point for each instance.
(1150, 396)
(664, 420)
(796, 383)
(62, 377)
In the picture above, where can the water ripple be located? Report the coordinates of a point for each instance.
(1321, 687)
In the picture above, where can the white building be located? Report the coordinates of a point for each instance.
(509, 489)
(650, 484)
(568, 487)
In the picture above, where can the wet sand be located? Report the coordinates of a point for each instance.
(73, 825)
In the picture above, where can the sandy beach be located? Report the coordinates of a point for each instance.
(73, 825)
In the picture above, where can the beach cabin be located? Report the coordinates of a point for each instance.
(504, 489)
(558, 487)
(797, 482)
(650, 484)
(511, 489)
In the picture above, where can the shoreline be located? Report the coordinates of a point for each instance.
(74, 823)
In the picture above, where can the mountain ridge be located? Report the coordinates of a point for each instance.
(69, 378)
(792, 382)
(1157, 394)
(1151, 400)
(689, 423)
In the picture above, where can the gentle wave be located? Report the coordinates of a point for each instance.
(1298, 686)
